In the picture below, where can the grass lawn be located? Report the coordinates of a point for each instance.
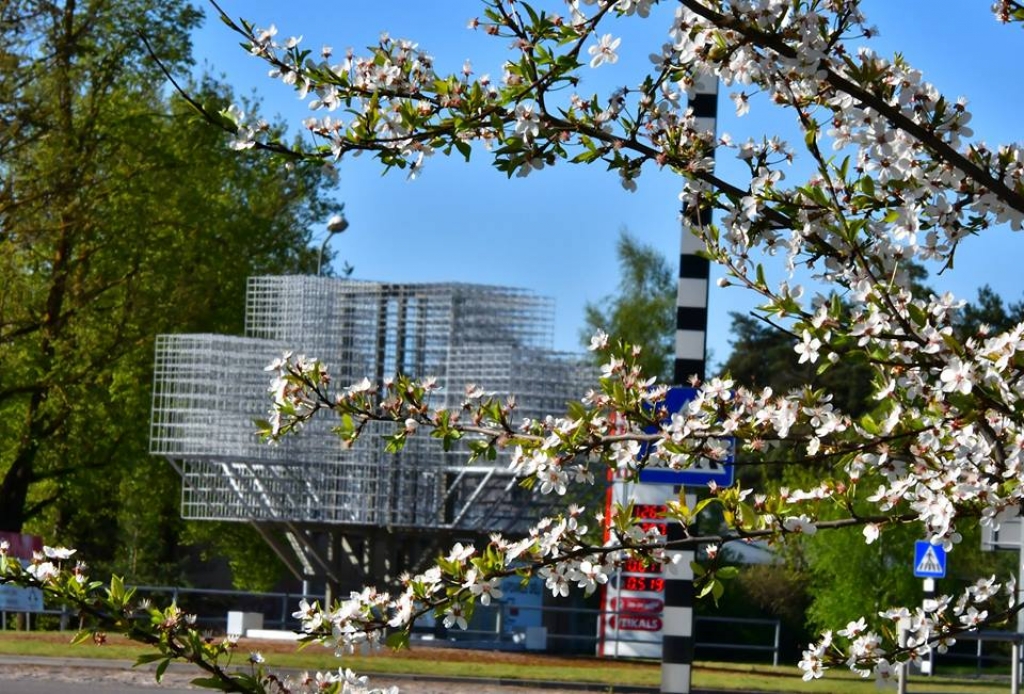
(451, 662)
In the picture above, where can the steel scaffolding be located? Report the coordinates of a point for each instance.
(209, 389)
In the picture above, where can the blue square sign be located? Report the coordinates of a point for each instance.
(929, 560)
(723, 473)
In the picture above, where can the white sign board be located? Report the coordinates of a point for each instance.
(634, 598)
(522, 603)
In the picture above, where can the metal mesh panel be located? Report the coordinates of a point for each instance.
(208, 390)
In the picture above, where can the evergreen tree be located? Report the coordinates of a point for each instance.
(642, 312)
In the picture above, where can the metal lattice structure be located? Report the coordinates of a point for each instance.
(209, 388)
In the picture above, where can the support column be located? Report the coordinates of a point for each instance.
(691, 344)
(692, 297)
(677, 618)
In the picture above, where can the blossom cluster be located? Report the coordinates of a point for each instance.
(898, 179)
(171, 634)
(931, 626)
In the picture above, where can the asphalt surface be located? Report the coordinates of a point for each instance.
(58, 687)
(31, 675)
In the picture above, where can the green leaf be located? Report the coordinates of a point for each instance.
(717, 591)
(748, 516)
(162, 668)
(397, 640)
(810, 136)
(727, 572)
(395, 443)
(534, 17)
(707, 588)
(116, 590)
(81, 637)
(702, 504)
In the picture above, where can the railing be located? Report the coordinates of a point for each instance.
(773, 648)
(277, 608)
(492, 627)
(491, 631)
(1012, 638)
(1012, 661)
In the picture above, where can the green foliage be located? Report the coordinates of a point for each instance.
(779, 589)
(642, 312)
(254, 566)
(988, 314)
(123, 216)
(762, 356)
(841, 566)
(823, 576)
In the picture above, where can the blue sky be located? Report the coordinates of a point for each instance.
(555, 231)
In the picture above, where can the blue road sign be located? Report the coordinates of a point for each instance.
(929, 560)
(722, 473)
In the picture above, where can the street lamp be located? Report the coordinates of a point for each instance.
(335, 225)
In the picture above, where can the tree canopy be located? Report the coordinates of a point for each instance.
(121, 216)
(642, 312)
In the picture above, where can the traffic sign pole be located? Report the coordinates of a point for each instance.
(929, 564)
(691, 344)
(677, 638)
(927, 662)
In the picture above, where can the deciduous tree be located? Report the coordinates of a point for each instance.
(121, 216)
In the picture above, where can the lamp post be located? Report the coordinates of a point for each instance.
(335, 225)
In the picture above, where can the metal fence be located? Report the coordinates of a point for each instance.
(493, 627)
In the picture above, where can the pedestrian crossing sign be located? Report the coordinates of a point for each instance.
(929, 560)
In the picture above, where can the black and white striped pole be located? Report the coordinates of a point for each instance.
(691, 339)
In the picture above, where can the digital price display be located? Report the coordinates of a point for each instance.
(637, 566)
(649, 511)
(650, 516)
(643, 583)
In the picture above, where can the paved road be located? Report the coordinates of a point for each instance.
(59, 687)
(26, 675)
(20, 676)
(29, 675)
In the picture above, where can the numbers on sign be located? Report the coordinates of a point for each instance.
(643, 583)
(649, 511)
(636, 566)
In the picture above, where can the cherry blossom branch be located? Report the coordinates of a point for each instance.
(936, 145)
